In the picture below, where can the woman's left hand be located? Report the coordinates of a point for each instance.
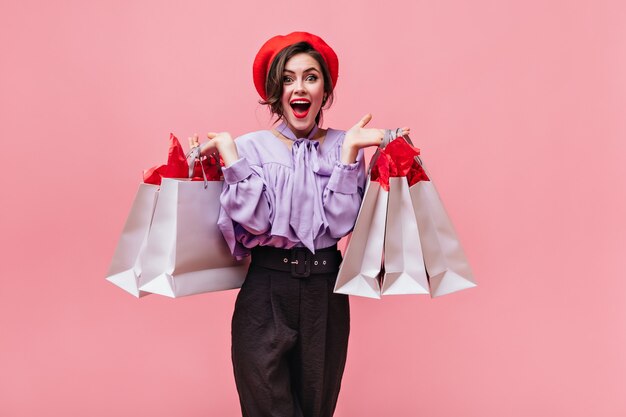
(359, 137)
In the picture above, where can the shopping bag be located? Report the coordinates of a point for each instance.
(186, 253)
(420, 250)
(404, 271)
(446, 264)
(362, 265)
(125, 268)
(404, 265)
(360, 269)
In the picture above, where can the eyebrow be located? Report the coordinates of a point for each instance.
(306, 70)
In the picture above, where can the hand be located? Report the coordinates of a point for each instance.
(221, 142)
(193, 141)
(359, 137)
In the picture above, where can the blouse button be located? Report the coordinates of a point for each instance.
(285, 260)
(323, 262)
(316, 262)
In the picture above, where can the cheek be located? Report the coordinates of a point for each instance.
(320, 89)
(320, 95)
(284, 101)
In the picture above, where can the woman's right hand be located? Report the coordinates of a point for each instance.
(221, 142)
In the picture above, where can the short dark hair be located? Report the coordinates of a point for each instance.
(274, 80)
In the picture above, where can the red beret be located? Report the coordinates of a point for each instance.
(272, 47)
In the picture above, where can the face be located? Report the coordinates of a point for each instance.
(303, 93)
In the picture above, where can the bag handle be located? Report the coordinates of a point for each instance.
(387, 138)
(194, 155)
(391, 134)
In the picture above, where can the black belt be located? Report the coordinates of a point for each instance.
(301, 262)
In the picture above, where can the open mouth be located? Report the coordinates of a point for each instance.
(300, 107)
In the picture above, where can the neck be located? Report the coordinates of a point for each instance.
(290, 132)
(300, 133)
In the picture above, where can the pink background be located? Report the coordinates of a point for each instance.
(518, 107)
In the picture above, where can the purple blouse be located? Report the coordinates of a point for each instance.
(274, 196)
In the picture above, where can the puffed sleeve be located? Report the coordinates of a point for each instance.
(343, 195)
(244, 196)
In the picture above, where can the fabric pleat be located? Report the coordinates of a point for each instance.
(307, 214)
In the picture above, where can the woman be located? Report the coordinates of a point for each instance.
(290, 194)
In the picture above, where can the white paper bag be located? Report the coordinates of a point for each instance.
(404, 264)
(446, 263)
(125, 270)
(359, 273)
(186, 253)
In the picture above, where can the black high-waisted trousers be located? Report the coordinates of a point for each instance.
(289, 344)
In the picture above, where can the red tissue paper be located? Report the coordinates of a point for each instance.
(398, 160)
(177, 166)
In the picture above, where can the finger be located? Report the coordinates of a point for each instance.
(208, 147)
(365, 120)
(190, 142)
(211, 135)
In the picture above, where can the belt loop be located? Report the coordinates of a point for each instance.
(300, 262)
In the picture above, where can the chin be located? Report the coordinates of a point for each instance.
(301, 125)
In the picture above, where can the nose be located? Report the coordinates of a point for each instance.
(299, 87)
